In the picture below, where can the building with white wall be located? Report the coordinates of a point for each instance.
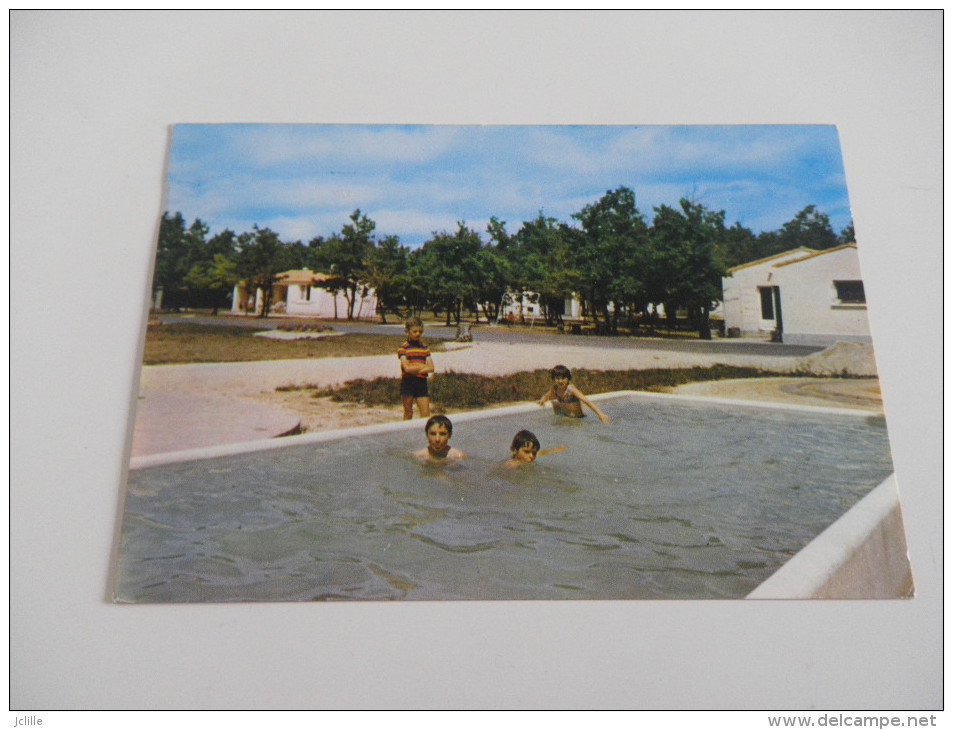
(526, 307)
(747, 293)
(299, 292)
(799, 297)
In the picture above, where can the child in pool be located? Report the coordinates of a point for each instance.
(415, 365)
(525, 450)
(567, 398)
(438, 450)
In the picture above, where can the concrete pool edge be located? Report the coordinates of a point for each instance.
(862, 555)
(245, 447)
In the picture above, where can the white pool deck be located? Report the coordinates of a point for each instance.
(863, 555)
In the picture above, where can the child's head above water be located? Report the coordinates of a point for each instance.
(560, 372)
(525, 446)
(438, 430)
(439, 421)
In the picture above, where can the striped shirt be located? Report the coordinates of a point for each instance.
(415, 352)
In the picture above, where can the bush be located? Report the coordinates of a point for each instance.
(464, 391)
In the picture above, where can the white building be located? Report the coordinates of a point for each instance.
(800, 297)
(527, 307)
(299, 292)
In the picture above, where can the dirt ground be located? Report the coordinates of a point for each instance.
(201, 405)
(322, 414)
(826, 388)
(863, 394)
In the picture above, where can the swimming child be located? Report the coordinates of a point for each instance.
(525, 450)
(438, 430)
(415, 365)
(567, 398)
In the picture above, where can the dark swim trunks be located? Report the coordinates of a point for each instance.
(414, 386)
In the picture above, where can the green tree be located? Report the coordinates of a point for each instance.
(810, 228)
(317, 258)
(168, 277)
(447, 268)
(493, 278)
(416, 295)
(261, 257)
(195, 247)
(187, 273)
(212, 274)
(740, 246)
(211, 283)
(223, 243)
(540, 255)
(847, 235)
(295, 255)
(496, 230)
(344, 258)
(325, 257)
(387, 273)
(686, 262)
(609, 257)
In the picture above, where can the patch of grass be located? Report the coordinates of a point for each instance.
(191, 343)
(465, 391)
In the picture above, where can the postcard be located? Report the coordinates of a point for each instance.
(410, 362)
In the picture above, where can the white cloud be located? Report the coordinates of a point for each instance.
(414, 180)
(413, 224)
(268, 147)
(291, 229)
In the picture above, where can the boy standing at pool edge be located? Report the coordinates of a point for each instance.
(415, 365)
(567, 398)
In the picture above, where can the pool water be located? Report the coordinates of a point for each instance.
(673, 499)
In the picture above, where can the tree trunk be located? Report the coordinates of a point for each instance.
(350, 295)
(671, 322)
(704, 324)
(606, 320)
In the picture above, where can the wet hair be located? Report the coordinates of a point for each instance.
(524, 438)
(413, 322)
(560, 371)
(442, 420)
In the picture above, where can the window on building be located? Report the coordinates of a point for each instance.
(767, 302)
(306, 293)
(850, 292)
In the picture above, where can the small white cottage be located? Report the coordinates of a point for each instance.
(299, 292)
(525, 306)
(800, 296)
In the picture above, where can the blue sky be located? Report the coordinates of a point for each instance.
(304, 181)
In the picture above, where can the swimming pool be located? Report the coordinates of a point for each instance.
(675, 499)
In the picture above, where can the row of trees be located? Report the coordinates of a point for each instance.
(612, 259)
